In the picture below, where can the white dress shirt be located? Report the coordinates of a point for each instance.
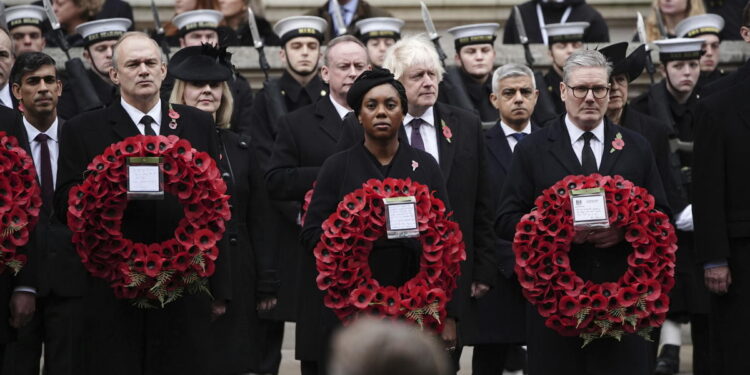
(342, 111)
(5, 96)
(512, 142)
(347, 10)
(427, 130)
(576, 139)
(53, 143)
(136, 115)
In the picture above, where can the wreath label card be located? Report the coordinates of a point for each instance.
(589, 208)
(145, 180)
(401, 217)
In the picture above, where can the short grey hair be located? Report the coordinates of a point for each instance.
(511, 70)
(586, 58)
(132, 34)
(342, 39)
(412, 50)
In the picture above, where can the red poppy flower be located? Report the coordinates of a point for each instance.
(627, 296)
(361, 297)
(569, 306)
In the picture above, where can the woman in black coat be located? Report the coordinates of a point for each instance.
(379, 101)
(201, 81)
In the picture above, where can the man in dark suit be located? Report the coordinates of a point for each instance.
(298, 86)
(172, 339)
(556, 12)
(47, 296)
(501, 312)
(306, 138)
(740, 74)
(721, 207)
(351, 11)
(579, 144)
(454, 138)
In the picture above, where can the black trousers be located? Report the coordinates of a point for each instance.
(728, 330)
(269, 339)
(489, 359)
(57, 324)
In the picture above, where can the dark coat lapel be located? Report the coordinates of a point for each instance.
(164, 128)
(498, 145)
(19, 131)
(561, 148)
(447, 150)
(121, 123)
(330, 121)
(609, 158)
(745, 115)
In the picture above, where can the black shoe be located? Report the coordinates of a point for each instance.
(668, 362)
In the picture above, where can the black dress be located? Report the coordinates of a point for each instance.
(392, 262)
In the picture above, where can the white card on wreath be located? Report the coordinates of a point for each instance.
(143, 178)
(401, 217)
(589, 208)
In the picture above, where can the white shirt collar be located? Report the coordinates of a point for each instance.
(32, 132)
(342, 111)
(575, 132)
(508, 130)
(428, 117)
(350, 7)
(5, 96)
(136, 115)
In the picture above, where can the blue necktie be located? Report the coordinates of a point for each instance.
(416, 136)
(518, 136)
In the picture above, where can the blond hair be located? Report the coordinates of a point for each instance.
(694, 8)
(410, 51)
(223, 115)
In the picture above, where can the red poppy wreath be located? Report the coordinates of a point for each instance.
(345, 245)
(636, 303)
(20, 202)
(158, 273)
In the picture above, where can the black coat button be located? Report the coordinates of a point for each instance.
(226, 175)
(243, 144)
(233, 240)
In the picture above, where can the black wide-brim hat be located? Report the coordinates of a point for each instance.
(204, 63)
(632, 65)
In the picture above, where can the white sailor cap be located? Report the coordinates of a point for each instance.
(101, 30)
(679, 49)
(200, 19)
(379, 27)
(296, 26)
(693, 26)
(21, 15)
(480, 33)
(565, 32)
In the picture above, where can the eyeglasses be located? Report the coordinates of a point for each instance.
(580, 92)
(510, 93)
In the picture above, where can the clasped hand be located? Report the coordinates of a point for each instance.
(600, 238)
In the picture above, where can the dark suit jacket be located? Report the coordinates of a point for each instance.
(501, 313)
(54, 267)
(305, 139)
(263, 132)
(364, 10)
(463, 161)
(67, 107)
(179, 331)
(581, 12)
(539, 161)
(721, 207)
(726, 82)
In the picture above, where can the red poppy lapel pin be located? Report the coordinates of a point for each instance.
(174, 116)
(617, 143)
(446, 131)
(414, 165)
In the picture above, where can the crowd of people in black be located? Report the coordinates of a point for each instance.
(359, 101)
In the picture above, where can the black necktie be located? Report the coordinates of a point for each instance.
(518, 136)
(416, 136)
(147, 121)
(48, 188)
(588, 161)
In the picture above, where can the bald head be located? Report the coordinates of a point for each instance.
(138, 68)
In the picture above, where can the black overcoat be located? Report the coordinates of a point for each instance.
(173, 339)
(598, 31)
(539, 161)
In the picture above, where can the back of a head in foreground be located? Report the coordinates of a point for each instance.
(379, 347)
